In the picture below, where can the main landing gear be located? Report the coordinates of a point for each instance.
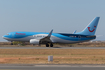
(47, 45)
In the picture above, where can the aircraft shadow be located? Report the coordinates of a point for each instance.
(56, 47)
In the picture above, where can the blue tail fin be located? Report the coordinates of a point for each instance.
(91, 28)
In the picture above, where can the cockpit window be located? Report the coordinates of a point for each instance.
(7, 34)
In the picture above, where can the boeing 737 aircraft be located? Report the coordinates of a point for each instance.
(38, 38)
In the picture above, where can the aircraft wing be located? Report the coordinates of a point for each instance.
(47, 38)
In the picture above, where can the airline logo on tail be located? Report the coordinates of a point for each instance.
(91, 30)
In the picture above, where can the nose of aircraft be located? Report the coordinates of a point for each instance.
(4, 36)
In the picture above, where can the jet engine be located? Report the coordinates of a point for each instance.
(34, 41)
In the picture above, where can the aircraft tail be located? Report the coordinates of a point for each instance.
(91, 28)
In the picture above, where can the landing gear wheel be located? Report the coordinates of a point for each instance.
(11, 43)
(47, 45)
(33, 44)
(51, 45)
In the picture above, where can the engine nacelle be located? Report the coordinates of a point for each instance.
(34, 41)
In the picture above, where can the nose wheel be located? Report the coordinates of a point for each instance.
(47, 45)
(11, 43)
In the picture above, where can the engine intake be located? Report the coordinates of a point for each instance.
(34, 41)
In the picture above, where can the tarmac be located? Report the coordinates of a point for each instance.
(20, 47)
(51, 67)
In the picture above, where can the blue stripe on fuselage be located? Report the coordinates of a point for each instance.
(74, 37)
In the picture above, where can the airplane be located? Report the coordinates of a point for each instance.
(38, 38)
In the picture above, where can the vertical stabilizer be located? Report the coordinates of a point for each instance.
(91, 28)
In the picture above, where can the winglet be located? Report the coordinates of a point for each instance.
(50, 33)
(74, 31)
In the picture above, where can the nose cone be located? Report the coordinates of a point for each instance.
(4, 37)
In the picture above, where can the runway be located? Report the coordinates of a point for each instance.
(51, 67)
(20, 47)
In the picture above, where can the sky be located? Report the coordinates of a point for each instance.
(63, 16)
